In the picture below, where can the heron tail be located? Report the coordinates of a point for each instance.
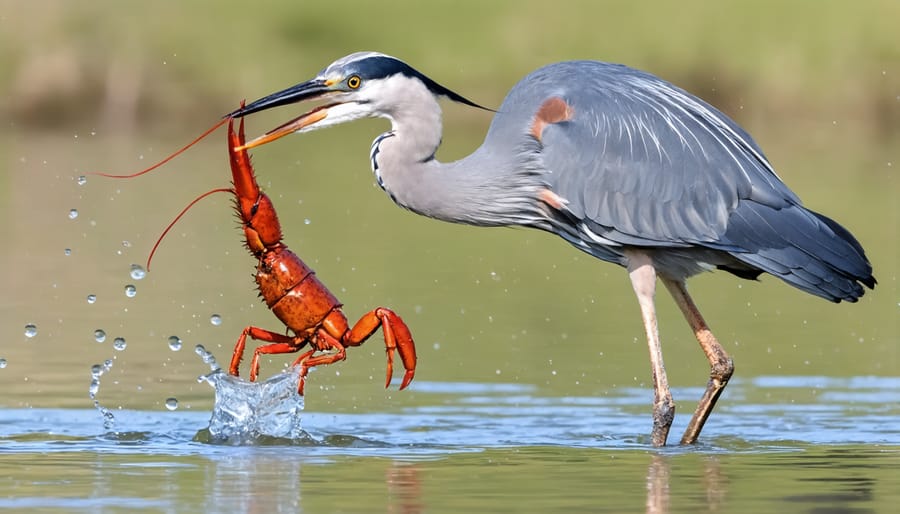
(804, 248)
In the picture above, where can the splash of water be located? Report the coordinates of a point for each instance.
(245, 412)
(97, 370)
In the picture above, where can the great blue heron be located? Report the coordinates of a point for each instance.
(621, 164)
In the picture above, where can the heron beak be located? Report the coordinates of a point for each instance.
(304, 120)
(311, 90)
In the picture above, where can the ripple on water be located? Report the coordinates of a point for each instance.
(450, 417)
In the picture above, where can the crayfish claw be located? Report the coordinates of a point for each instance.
(407, 378)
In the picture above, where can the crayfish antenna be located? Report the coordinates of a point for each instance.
(167, 159)
(180, 214)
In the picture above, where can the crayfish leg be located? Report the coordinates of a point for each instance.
(279, 343)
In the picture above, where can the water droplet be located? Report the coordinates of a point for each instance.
(137, 272)
(68, 251)
(73, 213)
(130, 291)
(97, 370)
(171, 403)
(207, 357)
(2, 363)
(126, 244)
(99, 335)
(307, 221)
(174, 343)
(91, 298)
(215, 319)
(30, 330)
(81, 180)
(119, 343)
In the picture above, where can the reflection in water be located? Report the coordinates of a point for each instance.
(275, 481)
(404, 489)
(659, 477)
(658, 485)
(715, 483)
(253, 482)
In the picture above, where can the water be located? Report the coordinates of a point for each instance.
(175, 343)
(245, 412)
(138, 272)
(120, 344)
(472, 446)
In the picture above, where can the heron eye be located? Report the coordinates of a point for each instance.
(354, 82)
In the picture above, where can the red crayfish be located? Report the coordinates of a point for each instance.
(291, 289)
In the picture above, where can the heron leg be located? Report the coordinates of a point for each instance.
(643, 280)
(721, 366)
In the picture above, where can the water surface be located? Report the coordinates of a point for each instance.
(484, 447)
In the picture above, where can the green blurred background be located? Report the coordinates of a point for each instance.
(116, 85)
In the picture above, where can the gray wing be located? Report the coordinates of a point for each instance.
(644, 163)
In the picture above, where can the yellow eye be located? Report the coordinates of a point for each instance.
(354, 82)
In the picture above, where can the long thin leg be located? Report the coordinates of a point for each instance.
(323, 341)
(259, 334)
(721, 366)
(643, 280)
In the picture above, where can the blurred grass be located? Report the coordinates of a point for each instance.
(116, 64)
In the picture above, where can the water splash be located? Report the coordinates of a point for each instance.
(246, 412)
(97, 370)
(207, 357)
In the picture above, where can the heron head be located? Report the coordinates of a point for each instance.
(363, 84)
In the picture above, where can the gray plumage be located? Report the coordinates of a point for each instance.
(647, 164)
(622, 164)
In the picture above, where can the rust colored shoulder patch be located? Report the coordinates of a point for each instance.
(553, 110)
(553, 200)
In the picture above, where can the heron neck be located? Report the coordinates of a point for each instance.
(480, 189)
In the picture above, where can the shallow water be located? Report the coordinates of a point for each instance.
(498, 447)
(532, 389)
